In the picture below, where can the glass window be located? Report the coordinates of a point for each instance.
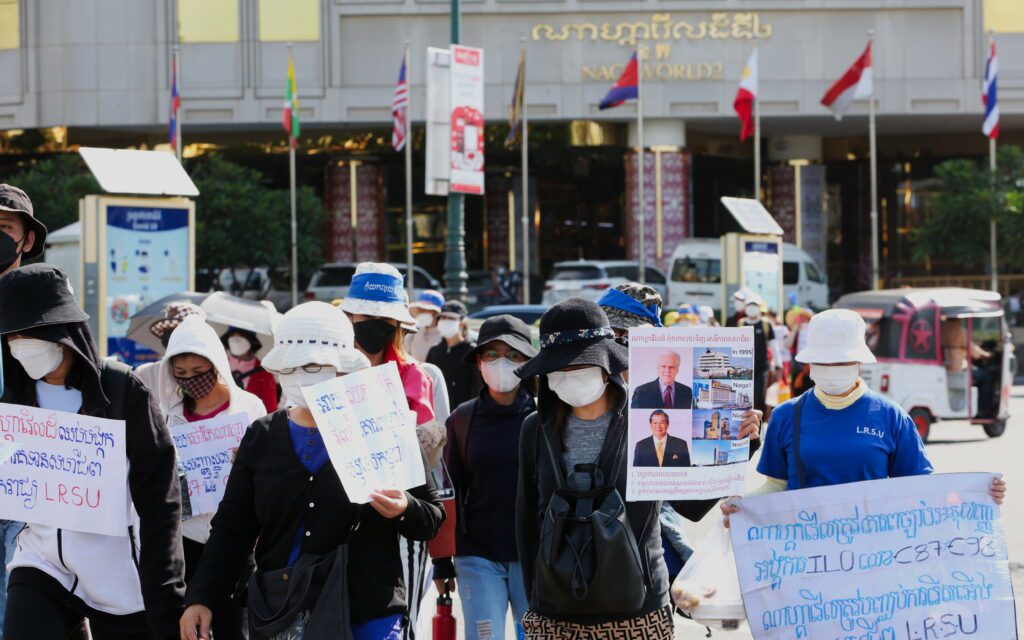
(654, 276)
(626, 272)
(10, 25)
(790, 273)
(813, 273)
(289, 20)
(576, 273)
(334, 277)
(208, 21)
(702, 270)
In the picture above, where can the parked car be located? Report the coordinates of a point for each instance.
(591, 278)
(259, 283)
(331, 281)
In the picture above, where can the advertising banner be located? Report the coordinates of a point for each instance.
(898, 559)
(467, 120)
(64, 470)
(690, 391)
(207, 450)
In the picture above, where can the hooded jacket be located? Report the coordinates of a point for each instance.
(144, 569)
(537, 483)
(196, 337)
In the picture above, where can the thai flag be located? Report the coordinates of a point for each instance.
(625, 88)
(400, 109)
(990, 127)
(175, 107)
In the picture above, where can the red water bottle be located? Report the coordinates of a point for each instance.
(444, 621)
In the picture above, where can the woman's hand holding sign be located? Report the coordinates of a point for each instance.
(390, 503)
(751, 425)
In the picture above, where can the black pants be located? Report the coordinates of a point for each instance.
(760, 385)
(39, 608)
(229, 621)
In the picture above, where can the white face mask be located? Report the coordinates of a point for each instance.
(448, 328)
(238, 346)
(578, 388)
(500, 375)
(38, 357)
(738, 305)
(753, 312)
(293, 383)
(424, 320)
(835, 380)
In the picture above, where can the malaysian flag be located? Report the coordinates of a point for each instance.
(400, 109)
(990, 126)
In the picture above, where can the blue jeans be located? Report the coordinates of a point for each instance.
(9, 530)
(486, 589)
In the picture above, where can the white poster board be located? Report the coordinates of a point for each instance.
(467, 120)
(685, 447)
(65, 470)
(900, 559)
(762, 266)
(369, 431)
(207, 450)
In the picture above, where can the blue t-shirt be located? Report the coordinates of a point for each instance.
(872, 439)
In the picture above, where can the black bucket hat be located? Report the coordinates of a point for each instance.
(34, 296)
(576, 332)
(15, 200)
(245, 333)
(505, 328)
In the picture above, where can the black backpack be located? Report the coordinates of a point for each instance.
(588, 562)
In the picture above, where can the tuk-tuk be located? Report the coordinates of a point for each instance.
(943, 353)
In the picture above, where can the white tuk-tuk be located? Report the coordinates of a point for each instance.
(943, 354)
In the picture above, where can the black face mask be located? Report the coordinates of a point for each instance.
(374, 335)
(9, 251)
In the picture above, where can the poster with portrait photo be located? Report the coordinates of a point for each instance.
(689, 390)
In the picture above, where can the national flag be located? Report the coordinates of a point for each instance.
(290, 115)
(626, 88)
(175, 105)
(856, 84)
(400, 109)
(515, 110)
(745, 97)
(990, 127)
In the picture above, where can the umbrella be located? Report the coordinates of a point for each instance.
(223, 310)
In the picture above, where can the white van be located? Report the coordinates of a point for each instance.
(695, 275)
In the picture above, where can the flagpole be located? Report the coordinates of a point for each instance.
(641, 241)
(875, 283)
(408, 174)
(177, 116)
(525, 196)
(992, 222)
(292, 143)
(757, 145)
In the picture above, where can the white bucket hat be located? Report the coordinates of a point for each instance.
(836, 336)
(377, 289)
(315, 333)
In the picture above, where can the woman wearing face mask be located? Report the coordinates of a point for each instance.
(377, 305)
(425, 311)
(246, 368)
(577, 440)
(763, 337)
(449, 356)
(59, 577)
(285, 499)
(482, 457)
(197, 385)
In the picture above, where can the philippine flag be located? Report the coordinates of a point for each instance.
(856, 84)
(745, 97)
(625, 88)
(990, 127)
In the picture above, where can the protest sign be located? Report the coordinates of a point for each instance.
(690, 390)
(900, 559)
(65, 470)
(369, 431)
(207, 450)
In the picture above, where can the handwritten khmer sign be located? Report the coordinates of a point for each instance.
(66, 470)
(901, 559)
(369, 431)
(207, 450)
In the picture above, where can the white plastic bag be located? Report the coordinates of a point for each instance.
(708, 587)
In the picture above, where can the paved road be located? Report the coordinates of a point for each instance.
(954, 446)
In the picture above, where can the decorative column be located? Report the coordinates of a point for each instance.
(797, 202)
(354, 199)
(667, 210)
(498, 191)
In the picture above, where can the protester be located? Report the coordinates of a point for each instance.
(796, 321)
(377, 305)
(241, 346)
(482, 457)
(197, 384)
(763, 336)
(739, 306)
(285, 499)
(576, 442)
(174, 314)
(128, 586)
(449, 356)
(425, 311)
(706, 315)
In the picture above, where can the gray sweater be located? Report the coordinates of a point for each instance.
(582, 445)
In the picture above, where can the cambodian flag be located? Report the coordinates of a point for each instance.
(625, 88)
(990, 127)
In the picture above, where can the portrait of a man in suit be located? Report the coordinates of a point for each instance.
(665, 392)
(661, 449)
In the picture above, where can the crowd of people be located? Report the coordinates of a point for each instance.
(534, 442)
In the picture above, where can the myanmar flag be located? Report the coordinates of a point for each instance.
(290, 115)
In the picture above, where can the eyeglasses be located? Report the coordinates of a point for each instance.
(512, 356)
(309, 368)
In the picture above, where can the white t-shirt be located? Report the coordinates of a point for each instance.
(58, 397)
